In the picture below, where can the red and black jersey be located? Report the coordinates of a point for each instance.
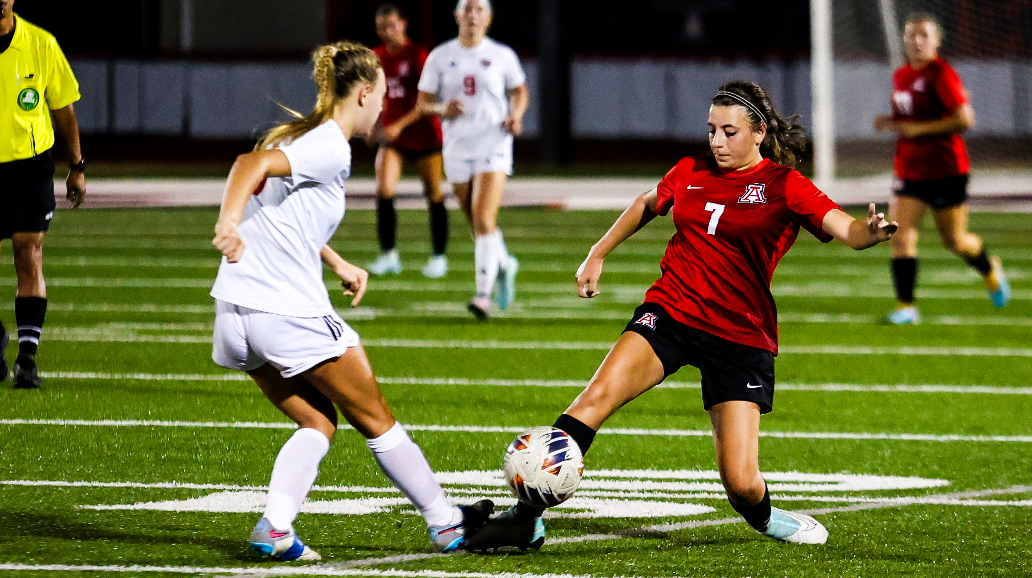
(402, 70)
(932, 92)
(732, 229)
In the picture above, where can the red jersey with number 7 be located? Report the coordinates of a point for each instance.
(932, 92)
(401, 71)
(732, 229)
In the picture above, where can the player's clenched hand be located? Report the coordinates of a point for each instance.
(513, 125)
(453, 109)
(228, 240)
(878, 227)
(76, 187)
(353, 279)
(587, 277)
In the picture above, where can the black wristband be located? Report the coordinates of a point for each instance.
(79, 167)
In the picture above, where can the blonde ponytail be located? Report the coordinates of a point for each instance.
(337, 69)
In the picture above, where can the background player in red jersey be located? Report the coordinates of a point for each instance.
(405, 134)
(737, 212)
(930, 109)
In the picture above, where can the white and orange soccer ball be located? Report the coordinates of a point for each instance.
(543, 466)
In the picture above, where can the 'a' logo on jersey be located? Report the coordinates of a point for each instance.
(753, 194)
(648, 320)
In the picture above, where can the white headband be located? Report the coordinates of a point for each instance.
(744, 102)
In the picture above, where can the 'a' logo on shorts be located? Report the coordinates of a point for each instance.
(754, 194)
(648, 320)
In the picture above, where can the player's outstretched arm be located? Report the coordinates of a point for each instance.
(427, 105)
(353, 279)
(245, 177)
(859, 233)
(641, 211)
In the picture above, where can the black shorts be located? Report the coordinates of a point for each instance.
(26, 195)
(936, 193)
(413, 154)
(730, 371)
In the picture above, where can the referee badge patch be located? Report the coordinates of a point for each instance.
(648, 320)
(28, 99)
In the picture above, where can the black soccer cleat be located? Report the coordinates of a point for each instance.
(4, 340)
(26, 374)
(509, 529)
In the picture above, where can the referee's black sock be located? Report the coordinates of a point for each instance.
(439, 227)
(980, 263)
(386, 223)
(904, 278)
(582, 435)
(29, 313)
(757, 516)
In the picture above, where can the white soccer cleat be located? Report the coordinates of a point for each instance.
(906, 315)
(796, 528)
(280, 544)
(436, 267)
(388, 262)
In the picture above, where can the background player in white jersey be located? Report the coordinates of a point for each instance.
(274, 320)
(478, 88)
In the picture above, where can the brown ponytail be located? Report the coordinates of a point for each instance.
(785, 140)
(337, 69)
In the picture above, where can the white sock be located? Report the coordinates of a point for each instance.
(293, 474)
(485, 256)
(406, 467)
(501, 250)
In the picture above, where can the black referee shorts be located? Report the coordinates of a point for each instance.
(936, 193)
(730, 371)
(27, 195)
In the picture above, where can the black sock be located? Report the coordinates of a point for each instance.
(757, 516)
(904, 278)
(386, 223)
(980, 263)
(439, 227)
(580, 433)
(29, 313)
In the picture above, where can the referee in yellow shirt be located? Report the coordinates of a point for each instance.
(36, 82)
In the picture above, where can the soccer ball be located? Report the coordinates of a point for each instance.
(543, 466)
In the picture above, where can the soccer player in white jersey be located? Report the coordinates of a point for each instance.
(478, 88)
(274, 320)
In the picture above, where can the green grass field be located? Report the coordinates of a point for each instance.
(139, 456)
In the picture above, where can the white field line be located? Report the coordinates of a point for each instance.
(555, 383)
(307, 570)
(86, 334)
(518, 429)
(809, 290)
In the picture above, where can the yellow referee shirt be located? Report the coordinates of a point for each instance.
(34, 79)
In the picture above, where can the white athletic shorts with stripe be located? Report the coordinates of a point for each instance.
(246, 339)
(496, 156)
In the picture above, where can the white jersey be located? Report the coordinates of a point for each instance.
(480, 77)
(285, 227)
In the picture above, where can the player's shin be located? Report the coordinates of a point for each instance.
(293, 474)
(404, 464)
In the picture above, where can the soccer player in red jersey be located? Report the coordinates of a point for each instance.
(406, 134)
(930, 109)
(737, 211)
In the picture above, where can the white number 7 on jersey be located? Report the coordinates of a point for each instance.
(718, 210)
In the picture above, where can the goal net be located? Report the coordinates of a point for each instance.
(988, 42)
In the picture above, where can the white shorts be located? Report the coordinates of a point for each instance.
(246, 339)
(461, 170)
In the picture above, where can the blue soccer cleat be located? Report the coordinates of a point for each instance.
(796, 528)
(505, 292)
(905, 315)
(280, 544)
(451, 537)
(996, 283)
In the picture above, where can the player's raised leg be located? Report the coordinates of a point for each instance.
(431, 171)
(388, 173)
(349, 382)
(908, 212)
(736, 434)
(952, 223)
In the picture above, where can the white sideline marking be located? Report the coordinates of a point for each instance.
(307, 570)
(501, 429)
(550, 383)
